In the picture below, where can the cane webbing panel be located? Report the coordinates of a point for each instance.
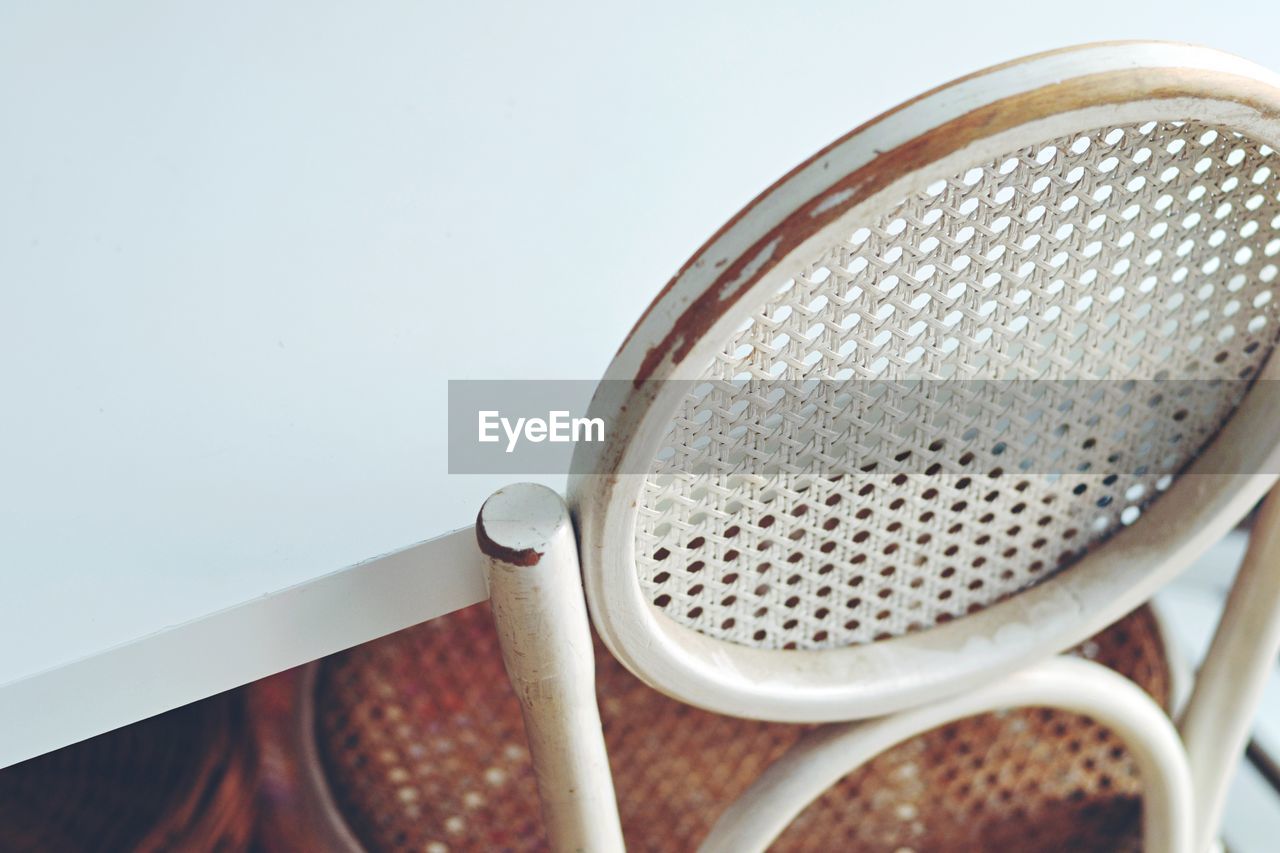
(179, 781)
(1014, 363)
(423, 747)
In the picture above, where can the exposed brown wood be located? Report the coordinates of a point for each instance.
(515, 557)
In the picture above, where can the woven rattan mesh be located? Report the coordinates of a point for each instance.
(422, 743)
(179, 781)
(1070, 278)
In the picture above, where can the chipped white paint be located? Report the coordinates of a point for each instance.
(831, 201)
(752, 267)
(889, 675)
(536, 595)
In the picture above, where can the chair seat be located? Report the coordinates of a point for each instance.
(418, 744)
(183, 780)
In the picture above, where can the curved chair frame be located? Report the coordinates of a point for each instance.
(1185, 771)
(999, 657)
(856, 179)
(1185, 777)
(828, 754)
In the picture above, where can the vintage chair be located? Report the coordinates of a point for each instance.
(956, 394)
(184, 780)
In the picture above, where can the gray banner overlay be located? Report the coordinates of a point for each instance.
(867, 427)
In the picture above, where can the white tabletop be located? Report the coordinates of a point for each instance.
(243, 246)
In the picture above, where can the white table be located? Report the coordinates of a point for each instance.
(243, 246)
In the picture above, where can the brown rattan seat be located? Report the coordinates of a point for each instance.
(417, 743)
(182, 780)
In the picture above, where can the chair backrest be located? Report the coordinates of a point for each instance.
(959, 391)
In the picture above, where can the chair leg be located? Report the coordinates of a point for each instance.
(535, 590)
(1215, 726)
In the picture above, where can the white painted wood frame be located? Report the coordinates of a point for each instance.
(858, 177)
(535, 590)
